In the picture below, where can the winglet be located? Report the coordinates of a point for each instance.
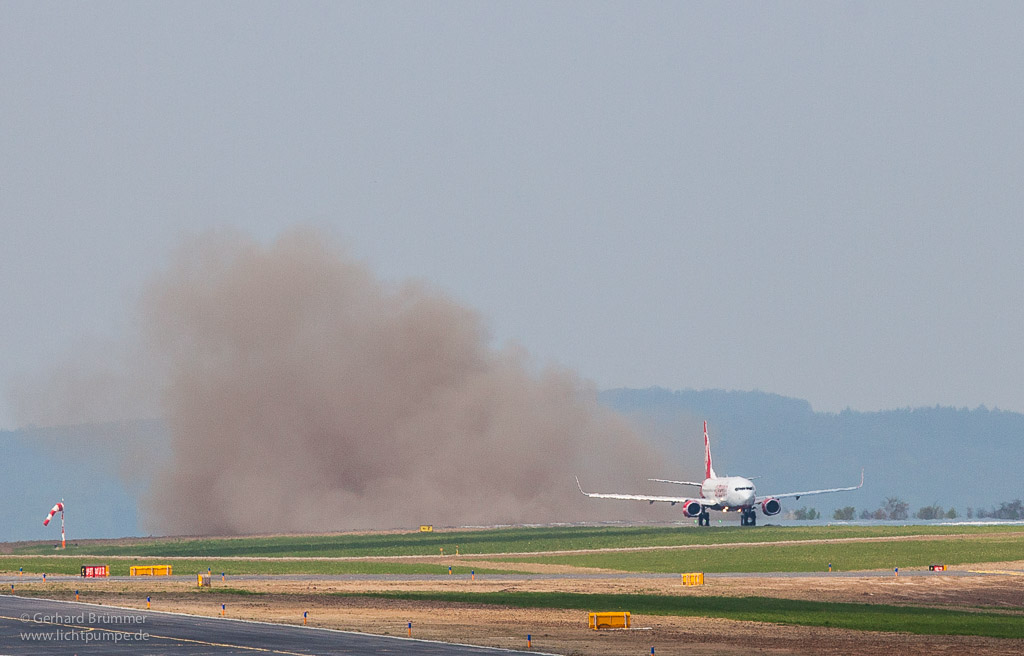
(861, 477)
(578, 484)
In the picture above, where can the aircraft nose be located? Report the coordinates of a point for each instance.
(750, 499)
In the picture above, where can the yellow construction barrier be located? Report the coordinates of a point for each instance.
(203, 580)
(693, 578)
(150, 570)
(609, 621)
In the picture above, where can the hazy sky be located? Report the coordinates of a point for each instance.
(821, 200)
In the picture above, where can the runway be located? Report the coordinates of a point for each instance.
(54, 628)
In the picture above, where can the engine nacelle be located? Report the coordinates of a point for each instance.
(692, 509)
(771, 507)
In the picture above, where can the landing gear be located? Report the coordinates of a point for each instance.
(704, 519)
(748, 518)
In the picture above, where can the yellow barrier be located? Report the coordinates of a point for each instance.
(150, 570)
(609, 621)
(693, 578)
(203, 580)
(426, 528)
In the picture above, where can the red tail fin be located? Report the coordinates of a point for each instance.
(709, 471)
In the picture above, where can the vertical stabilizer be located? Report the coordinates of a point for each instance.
(709, 471)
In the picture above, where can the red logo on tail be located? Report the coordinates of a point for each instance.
(708, 471)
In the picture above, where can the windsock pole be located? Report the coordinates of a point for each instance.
(63, 542)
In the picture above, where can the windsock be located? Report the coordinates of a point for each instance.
(53, 511)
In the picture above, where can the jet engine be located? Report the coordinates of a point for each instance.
(771, 506)
(693, 509)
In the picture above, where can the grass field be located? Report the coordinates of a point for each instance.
(810, 557)
(730, 549)
(327, 554)
(492, 541)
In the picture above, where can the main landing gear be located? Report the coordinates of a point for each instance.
(704, 518)
(748, 518)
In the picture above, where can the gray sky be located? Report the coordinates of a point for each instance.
(821, 200)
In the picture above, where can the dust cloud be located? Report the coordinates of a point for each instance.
(302, 393)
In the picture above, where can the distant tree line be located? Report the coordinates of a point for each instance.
(896, 508)
(935, 511)
(805, 513)
(891, 508)
(1006, 510)
(844, 513)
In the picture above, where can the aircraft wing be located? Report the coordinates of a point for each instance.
(662, 480)
(802, 494)
(638, 497)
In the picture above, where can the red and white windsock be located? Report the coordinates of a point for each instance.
(59, 508)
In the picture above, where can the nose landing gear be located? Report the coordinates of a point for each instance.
(748, 518)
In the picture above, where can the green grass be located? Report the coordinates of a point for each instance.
(804, 557)
(493, 540)
(73, 565)
(861, 617)
(950, 544)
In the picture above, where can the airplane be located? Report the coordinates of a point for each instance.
(725, 493)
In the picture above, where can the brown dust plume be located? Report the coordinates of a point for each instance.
(303, 394)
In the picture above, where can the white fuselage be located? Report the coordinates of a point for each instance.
(728, 491)
(724, 493)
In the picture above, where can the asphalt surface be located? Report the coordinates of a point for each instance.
(42, 627)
